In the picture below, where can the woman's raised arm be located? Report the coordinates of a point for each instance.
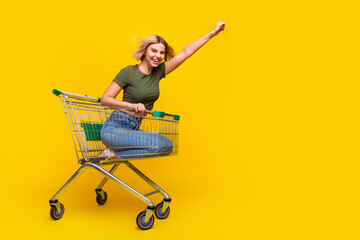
(190, 49)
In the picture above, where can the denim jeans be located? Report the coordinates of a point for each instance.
(121, 133)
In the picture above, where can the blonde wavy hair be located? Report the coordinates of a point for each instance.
(144, 44)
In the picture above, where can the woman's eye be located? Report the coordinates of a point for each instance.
(153, 50)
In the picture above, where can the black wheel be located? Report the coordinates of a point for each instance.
(140, 221)
(100, 200)
(54, 212)
(158, 211)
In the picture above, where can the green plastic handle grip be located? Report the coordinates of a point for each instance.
(158, 114)
(56, 92)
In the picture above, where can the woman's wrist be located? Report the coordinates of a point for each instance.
(219, 27)
(131, 106)
(211, 34)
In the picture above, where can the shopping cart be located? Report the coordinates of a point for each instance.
(86, 117)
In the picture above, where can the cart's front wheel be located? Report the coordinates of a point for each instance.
(100, 200)
(55, 214)
(140, 221)
(159, 212)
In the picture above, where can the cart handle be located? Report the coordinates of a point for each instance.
(153, 113)
(57, 93)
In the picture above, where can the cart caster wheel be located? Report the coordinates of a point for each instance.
(140, 221)
(54, 212)
(100, 200)
(158, 211)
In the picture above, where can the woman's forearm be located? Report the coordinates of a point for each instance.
(191, 48)
(110, 101)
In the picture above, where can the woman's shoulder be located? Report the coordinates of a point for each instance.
(126, 69)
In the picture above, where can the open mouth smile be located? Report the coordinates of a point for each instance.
(156, 61)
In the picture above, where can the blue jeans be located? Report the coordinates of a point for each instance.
(121, 133)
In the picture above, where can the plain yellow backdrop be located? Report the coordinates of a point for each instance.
(269, 129)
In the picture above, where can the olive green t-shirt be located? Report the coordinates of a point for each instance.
(138, 87)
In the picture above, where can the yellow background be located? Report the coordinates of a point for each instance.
(269, 118)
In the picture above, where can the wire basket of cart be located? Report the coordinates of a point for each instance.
(104, 135)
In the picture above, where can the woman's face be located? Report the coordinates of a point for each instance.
(154, 54)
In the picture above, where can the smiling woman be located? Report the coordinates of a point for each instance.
(141, 89)
(167, 51)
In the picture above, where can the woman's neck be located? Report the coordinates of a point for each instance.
(145, 68)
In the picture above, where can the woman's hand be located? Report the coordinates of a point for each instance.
(219, 27)
(138, 107)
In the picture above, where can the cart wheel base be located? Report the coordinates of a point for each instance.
(140, 221)
(159, 211)
(101, 197)
(55, 214)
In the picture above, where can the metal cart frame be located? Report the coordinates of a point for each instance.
(88, 147)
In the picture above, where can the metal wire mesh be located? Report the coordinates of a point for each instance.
(102, 133)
